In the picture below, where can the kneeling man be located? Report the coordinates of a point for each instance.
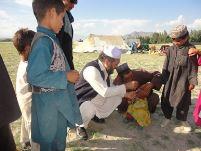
(97, 95)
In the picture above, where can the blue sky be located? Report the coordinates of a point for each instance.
(113, 17)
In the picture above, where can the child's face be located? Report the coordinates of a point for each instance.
(180, 42)
(56, 20)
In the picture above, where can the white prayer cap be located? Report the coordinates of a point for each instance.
(112, 52)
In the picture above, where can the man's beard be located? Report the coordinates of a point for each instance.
(110, 71)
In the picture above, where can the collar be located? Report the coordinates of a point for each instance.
(103, 68)
(46, 31)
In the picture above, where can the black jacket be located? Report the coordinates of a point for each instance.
(66, 42)
(9, 108)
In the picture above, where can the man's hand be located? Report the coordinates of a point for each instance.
(133, 85)
(191, 87)
(130, 95)
(72, 76)
(144, 90)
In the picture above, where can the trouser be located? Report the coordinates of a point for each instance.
(59, 141)
(25, 135)
(99, 106)
(181, 110)
(7, 142)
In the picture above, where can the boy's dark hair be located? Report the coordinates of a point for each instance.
(22, 38)
(40, 7)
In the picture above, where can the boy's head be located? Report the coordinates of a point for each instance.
(22, 40)
(49, 13)
(69, 4)
(179, 35)
(124, 72)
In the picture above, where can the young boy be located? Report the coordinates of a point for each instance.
(22, 42)
(54, 104)
(179, 76)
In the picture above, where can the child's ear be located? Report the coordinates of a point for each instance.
(52, 12)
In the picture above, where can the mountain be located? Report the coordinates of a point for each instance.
(137, 34)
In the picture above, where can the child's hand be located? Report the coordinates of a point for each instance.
(72, 76)
(130, 95)
(192, 51)
(191, 87)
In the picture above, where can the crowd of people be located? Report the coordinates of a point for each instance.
(51, 95)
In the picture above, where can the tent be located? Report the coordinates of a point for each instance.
(96, 43)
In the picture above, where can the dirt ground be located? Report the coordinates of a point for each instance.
(120, 136)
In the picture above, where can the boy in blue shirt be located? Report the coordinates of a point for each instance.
(54, 102)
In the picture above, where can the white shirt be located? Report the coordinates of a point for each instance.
(22, 87)
(92, 75)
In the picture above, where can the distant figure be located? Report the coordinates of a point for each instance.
(179, 77)
(9, 110)
(65, 35)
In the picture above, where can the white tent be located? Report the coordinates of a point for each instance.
(96, 43)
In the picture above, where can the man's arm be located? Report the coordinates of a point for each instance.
(93, 77)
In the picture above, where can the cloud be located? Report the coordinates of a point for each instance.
(196, 24)
(167, 25)
(9, 24)
(24, 2)
(109, 27)
(3, 14)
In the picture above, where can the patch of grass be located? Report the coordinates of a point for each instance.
(191, 143)
(165, 137)
(158, 143)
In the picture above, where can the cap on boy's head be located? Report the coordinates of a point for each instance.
(73, 1)
(112, 52)
(179, 31)
(123, 68)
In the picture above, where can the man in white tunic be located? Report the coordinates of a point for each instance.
(97, 96)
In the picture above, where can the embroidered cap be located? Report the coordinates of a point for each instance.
(112, 52)
(178, 31)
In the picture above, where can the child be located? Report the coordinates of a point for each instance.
(179, 76)
(197, 110)
(22, 42)
(54, 104)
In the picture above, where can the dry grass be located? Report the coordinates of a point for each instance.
(116, 135)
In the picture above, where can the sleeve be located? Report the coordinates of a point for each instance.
(165, 72)
(193, 70)
(156, 80)
(199, 60)
(38, 70)
(99, 85)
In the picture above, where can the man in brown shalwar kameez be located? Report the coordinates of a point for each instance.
(179, 76)
(145, 83)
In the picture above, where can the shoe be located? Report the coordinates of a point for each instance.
(81, 133)
(98, 120)
(183, 128)
(26, 146)
(165, 123)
